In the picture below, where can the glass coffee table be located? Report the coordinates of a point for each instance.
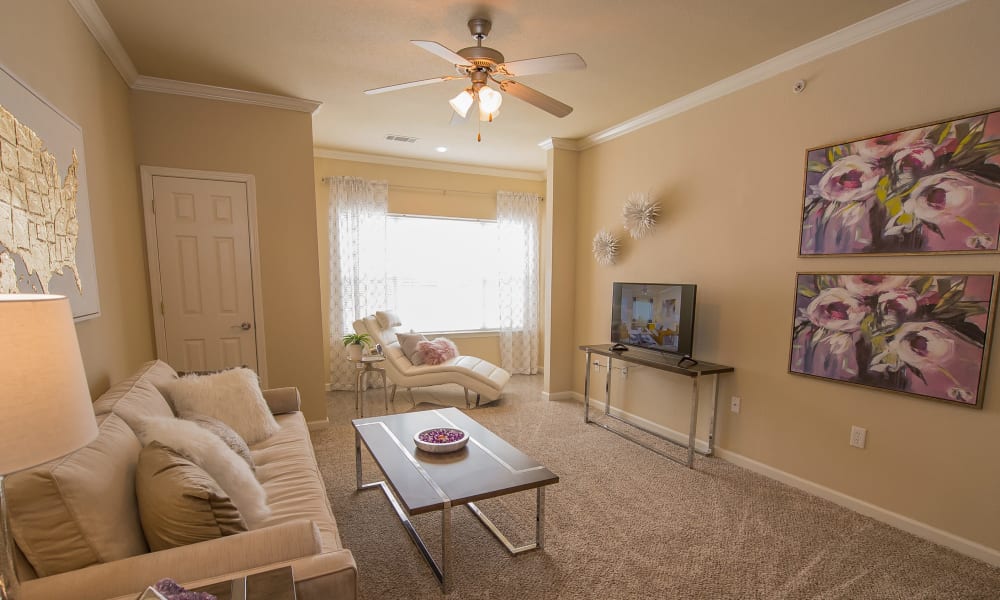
(418, 482)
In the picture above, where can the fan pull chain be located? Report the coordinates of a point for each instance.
(479, 130)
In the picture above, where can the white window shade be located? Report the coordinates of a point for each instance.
(444, 273)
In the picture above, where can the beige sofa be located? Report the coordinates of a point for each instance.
(80, 512)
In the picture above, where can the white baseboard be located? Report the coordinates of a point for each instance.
(907, 524)
(917, 528)
(560, 395)
(316, 425)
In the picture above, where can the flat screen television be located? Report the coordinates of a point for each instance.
(656, 316)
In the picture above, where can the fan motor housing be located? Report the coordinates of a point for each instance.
(481, 56)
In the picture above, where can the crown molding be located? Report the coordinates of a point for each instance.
(198, 90)
(99, 27)
(416, 163)
(560, 144)
(890, 19)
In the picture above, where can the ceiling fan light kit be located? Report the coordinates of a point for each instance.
(461, 103)
(481, 64)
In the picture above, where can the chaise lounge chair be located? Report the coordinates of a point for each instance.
(473, 374)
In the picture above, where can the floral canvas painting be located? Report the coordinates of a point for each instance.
(922, 334)
(929, 189)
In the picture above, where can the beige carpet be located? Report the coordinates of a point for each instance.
(626, 523)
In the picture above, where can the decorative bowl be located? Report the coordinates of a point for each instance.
(441, 439)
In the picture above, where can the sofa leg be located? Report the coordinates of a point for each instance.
(392, 396)
(478, 397)
(468, 403)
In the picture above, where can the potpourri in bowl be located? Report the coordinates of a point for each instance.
(441, 439)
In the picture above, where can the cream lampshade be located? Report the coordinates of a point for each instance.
(44, 398)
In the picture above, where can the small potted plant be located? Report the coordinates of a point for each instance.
(355, 343)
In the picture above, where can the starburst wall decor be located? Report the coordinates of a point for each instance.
(605, 247)
(639, 214)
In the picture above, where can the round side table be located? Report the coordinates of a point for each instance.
(369, 364)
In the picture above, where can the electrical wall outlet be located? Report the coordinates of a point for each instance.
(734, 404)
(859, 435)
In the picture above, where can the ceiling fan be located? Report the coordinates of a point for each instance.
(482, 65)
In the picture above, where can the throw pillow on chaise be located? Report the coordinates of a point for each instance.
(438, 350)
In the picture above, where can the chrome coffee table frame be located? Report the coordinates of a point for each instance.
(453, 418)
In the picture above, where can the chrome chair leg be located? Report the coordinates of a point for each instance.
(468, 404)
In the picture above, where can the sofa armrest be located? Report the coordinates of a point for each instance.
(218, 559)
(283, 400)
(328, 576)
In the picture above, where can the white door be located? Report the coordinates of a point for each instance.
(203, 246)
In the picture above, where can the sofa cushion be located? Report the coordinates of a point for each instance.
(179, 503)
(232, 396)
(138, 397)
(205, 449)
(80, 509)
(286, 467)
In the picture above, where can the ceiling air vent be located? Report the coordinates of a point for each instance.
(392, 137)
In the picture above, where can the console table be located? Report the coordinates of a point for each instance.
(663, 362)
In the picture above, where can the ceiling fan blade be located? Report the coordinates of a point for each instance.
(543, 64)
(439, 50)
(536, 98)
(403, 86)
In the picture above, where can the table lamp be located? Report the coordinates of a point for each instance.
(44, 399)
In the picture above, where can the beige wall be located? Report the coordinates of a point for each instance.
(276, 147)
(427, 202)
(72, 72)
(729, 175)
(560, 272)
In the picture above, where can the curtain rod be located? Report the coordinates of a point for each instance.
(442, 191)
(431, 190)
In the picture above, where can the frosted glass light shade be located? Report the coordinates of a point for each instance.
(461, 103)
(489, 100)
(488, 116)
(44, 399)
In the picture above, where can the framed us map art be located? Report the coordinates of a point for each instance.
(46, 241)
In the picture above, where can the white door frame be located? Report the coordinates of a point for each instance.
(156, 293)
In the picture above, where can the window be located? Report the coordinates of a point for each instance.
(444, 273)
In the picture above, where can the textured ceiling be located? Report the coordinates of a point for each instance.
(640, 54)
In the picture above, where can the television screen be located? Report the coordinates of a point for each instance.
(657, 316)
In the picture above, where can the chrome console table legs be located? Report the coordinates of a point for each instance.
(695, 374)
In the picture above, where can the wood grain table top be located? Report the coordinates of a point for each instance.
(486, 467)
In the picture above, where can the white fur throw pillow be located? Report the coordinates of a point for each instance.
(208, 451)
(232, 396)
(225, 433)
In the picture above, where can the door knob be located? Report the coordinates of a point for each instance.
(244, 326)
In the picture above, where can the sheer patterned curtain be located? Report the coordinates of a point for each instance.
(357, 263)
(517, 224)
